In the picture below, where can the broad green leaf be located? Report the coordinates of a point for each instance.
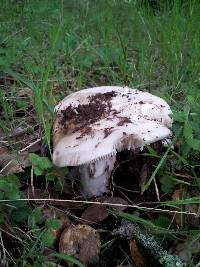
(14, 179)
(194, 143)
(50, 177)
(187, 130)
(53, 223)
(35, 218)
(21, 214)
(45, 163)
(179, 116)
(37, 215)
(14, 194)
(167, 184)
(38, 171)
(40, 163)
(5, 185)
(48, 238)
(35, 159)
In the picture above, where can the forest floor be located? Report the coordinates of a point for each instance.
(49, 49)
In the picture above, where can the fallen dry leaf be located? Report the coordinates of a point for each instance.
(82, 242)
(96, 213)
(115, 200)
(136, 255)
(10, 162)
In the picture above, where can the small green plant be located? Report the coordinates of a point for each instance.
(18, 212)
(42, 166)
(189, 119)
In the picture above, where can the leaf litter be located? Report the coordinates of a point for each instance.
(25, 137)
(20, 136)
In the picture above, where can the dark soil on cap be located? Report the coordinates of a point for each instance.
(83, 115)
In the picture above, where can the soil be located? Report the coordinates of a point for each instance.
(84, 115)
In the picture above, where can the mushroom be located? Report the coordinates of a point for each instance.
(93, 124)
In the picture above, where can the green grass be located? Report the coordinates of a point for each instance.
(57, 47)
(54, 38)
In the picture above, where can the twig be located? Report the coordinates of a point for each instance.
(30, 145)
(156, 188)
(2, 244)
(101, 203)
(184, 176)
(32, 184)
(3, 169)
(125, 196)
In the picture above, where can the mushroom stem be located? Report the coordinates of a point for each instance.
(95, 176)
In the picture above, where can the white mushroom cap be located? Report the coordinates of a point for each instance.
(96, 123)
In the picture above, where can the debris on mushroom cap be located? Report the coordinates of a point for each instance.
(96, 123)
